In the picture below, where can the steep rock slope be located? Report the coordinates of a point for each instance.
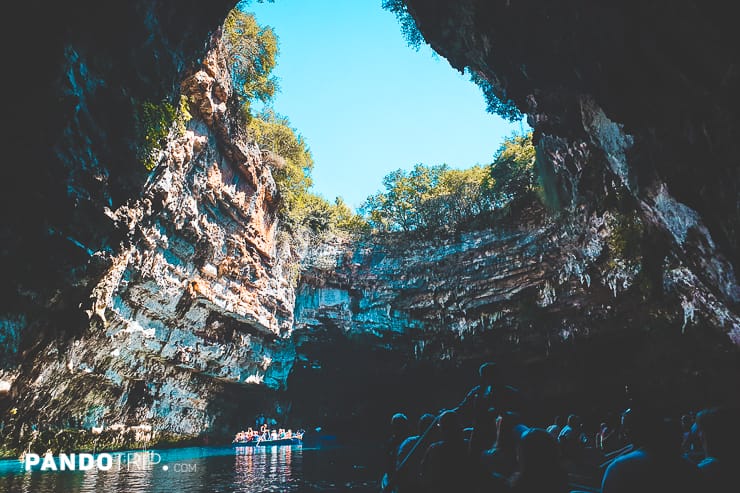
(194, 308)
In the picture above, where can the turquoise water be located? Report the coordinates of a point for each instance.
(209, 469)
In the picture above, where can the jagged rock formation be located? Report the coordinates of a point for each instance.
(197, 299)
(570, 313)
(191, 308)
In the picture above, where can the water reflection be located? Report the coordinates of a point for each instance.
(210, 470)
(268, 468)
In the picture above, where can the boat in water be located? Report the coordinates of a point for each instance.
(256, 442)
(248, 439)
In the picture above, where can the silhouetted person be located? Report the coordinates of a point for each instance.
(501, 458)
(484, 434)
(605, 437)
(399, 432)
(718, 429)
(408, 478)
(571, 438)
(656, 464)
(446, 466)
(539, 465)
(691, 444)
(557, 426)
(489, 393)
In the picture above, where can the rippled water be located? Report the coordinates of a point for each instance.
(209, 469)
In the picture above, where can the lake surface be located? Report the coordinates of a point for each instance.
(210, 469)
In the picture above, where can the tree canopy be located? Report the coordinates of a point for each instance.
(432, 198)
(252, 51)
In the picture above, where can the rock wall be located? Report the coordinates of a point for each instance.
(567, 304)
(192, 310)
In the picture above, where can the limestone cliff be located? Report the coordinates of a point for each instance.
(194, 305)
(564, 302)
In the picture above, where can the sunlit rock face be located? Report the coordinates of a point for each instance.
(557, 300)
(201, 289)
(192, 310)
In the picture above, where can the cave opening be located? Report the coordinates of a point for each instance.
(176, 263)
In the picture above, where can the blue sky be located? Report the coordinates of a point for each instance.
(366, 102)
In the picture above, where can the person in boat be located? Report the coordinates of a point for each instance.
(720, 438)
(274, 435)
(656, 464)
(489, 393)
(501, 458)
(539, 465)
(289, 433)
(407, 479)
(446, 466)
(399, 432)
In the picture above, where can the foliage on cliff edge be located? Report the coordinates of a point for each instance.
(253, 50)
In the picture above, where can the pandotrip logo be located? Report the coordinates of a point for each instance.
(127, 461)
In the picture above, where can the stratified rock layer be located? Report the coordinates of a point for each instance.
(196, 299)
(569, 311)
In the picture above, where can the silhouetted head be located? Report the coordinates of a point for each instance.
(718, 428)
(425, 421)
(491, 418)
(537, 450)
(559, 421)
(399, 424)
(449, 424)
(574, 421)
(488, 372)
(505, 429)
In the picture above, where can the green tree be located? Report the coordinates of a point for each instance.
(408, 24)
(433, 198)
(252, 50)
(291, 164)
(291, 160)
(512, 173)
(401, 206)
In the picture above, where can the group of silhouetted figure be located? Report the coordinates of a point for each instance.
(485, 445)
